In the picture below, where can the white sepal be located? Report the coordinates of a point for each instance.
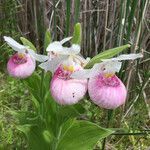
(87, 73)
(38, 57)
(55, 47)
(73, 50)
(15, 45)
(51, 65)
(82, 74)
(100, 68)
(81, 60)
(45, 65)
(65, 40)
(110, 67)
(125, 57)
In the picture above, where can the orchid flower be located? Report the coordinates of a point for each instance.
(58, 53)
(22, 64)
(104, 87)
(65, 90)
(63, 62)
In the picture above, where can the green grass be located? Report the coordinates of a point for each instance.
(13, 97)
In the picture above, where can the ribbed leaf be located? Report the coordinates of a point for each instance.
(27, 43)
(106, 54)
(34, 86)
(36, 137)
(47, 39)
(77, 34)
(81, 135)
(66, 112)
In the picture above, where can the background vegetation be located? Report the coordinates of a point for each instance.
(105, 24)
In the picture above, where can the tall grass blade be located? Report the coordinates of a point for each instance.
(68, 7)
(131, 19)
(77, 10)
(77, 34)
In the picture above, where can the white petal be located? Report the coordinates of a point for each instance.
(65, 40)
(82, 74)
(45, 65)
(87, 73)
(15, 45)
(81, 60)
(110, 66)
(41, 58)
(38, 57)
(51, 65)
(104, 67)
(75, 49)
(55, 47)
(125, 57)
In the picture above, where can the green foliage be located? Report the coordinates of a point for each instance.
(13, 96)
(81, 135)
(77, 34)
(27, 43)
(51, 125)
(47, 39)
(68, 7)
(106, 54)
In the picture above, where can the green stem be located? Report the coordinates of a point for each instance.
(109, 118)
(128, 134)
(42, 95)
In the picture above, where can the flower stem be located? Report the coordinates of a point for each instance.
(42, 95)
(109, 117)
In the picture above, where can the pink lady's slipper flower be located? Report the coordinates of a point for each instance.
(22, 64)
(65, 61)
(104, 87)
(64, 89)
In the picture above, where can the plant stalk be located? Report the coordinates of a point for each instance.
(109, 118)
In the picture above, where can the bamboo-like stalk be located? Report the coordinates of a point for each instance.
(55, 28)
(106, 21)
(68, 6)
(77, 10)
(36, 24)
(137, 40)
(112, 27)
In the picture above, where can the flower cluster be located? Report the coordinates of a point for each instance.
(70, 80)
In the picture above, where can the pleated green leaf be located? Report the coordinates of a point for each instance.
(47, 39)
(77, 34)
(81, 135)
(38, 138)
(106, 54)
(27, 43)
